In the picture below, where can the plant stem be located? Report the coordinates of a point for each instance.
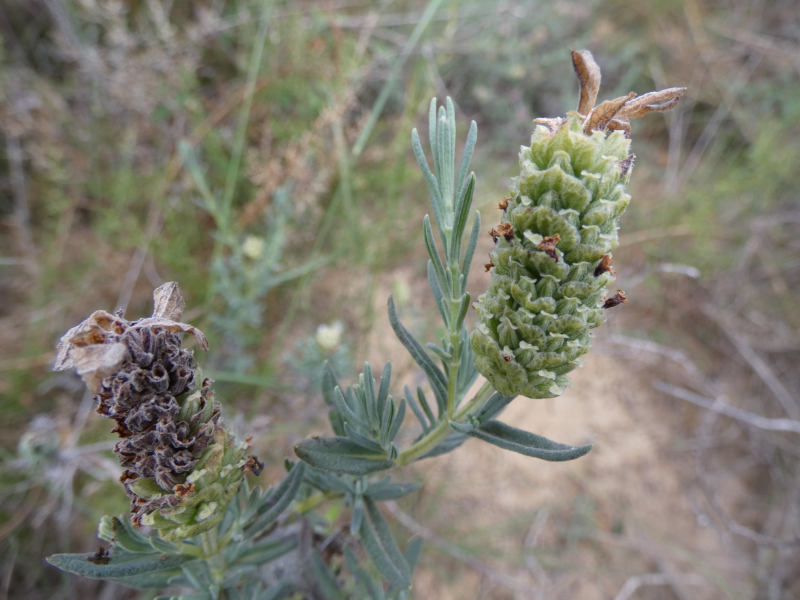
(210, 541)
(442, 430)
(212, 555)
(312, 502)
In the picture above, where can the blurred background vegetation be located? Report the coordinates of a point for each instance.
(258, 153)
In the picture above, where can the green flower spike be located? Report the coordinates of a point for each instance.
(181, 464)
(552, 260)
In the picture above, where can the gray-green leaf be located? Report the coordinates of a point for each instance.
(340, 455)
(382, 549)
(524, 442)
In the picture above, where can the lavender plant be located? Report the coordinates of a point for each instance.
(185, 473)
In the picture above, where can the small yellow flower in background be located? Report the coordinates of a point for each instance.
(329, 336)
(253, 247)
(401, 292)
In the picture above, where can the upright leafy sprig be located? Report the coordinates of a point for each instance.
(364, 421)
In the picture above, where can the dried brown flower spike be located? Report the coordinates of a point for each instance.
(181, 464)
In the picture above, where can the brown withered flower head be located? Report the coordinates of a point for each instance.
(611, 115)
(181, 463)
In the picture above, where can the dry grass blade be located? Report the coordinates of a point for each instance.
(723, 408)
(589, 76)
(758, 364)
(637, 581)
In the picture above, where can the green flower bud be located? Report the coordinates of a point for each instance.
(552, 256)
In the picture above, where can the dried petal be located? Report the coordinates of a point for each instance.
(174, 327)
(617, 124)
(589, 77)
(168, 302)
(548, 246)
(552, 124)
(95, 363)
(602, 114)
(650, 102)
(616, 300)
(626, 164)
(604, 266)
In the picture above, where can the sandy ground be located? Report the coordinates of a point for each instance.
(579, 529)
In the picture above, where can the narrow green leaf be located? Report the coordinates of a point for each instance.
(462, 312)
(128, 538)
(446, 161)
(358, 514)
(337, 421)
(432, 136)
(162, 546)
(137, 570)
(473, 243)
(370, 397)
(493, 407)
(383, 391)
(279, 499)
(382, 549)
(433, 252)
(451, 117)
(347, 413)
(392, 491)
(467, 373)
(437, 293)
(366, 586)
(416, 410)
(426, 407)
(461, 427)
(326, 581)
(420, 356)
(329, 385)
(445, 356)
(430, 178)
(466, 158)
(398, 416)
(363, 441)
(413, 552)
(328, 481)
(267, 551)
(386, 422)
(524, 442)
(460, 223)
(340, 455)
(198, 574)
